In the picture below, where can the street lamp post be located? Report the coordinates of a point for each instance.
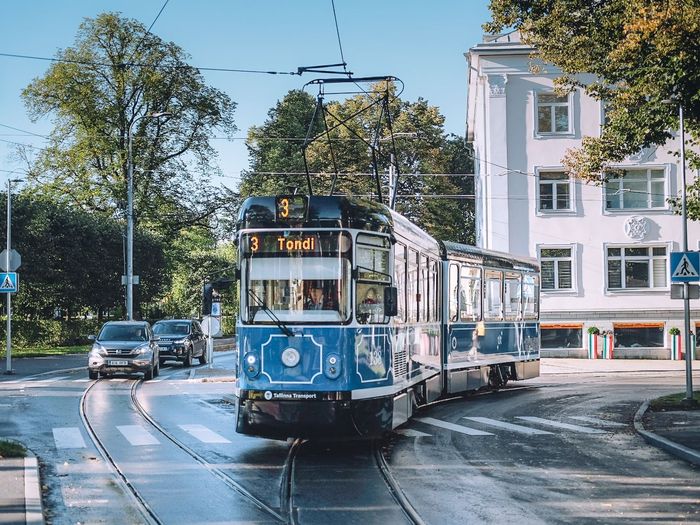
(8, 341)
(130, 216)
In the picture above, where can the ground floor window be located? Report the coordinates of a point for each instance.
(561, 336)
(646, 335)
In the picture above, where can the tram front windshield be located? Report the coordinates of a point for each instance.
(296, 278)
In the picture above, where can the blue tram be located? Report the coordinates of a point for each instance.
(351, 317)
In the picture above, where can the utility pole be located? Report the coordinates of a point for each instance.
(8, 342)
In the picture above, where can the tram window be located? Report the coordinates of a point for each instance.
(531, 284)
(400, 280)
(511, 296)
(493, 301)
(412, 286)
(454, 292)
(312, 289)
(423, 290)
(470, 294)
(434, 298)
(373, 258)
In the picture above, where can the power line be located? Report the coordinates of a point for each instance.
(151, 66)
(337, 32)
(24, 131)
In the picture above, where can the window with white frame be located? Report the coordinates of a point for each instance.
(637, 189)
(556, 266)
(633, 267)
(554, 191)
(553, 113)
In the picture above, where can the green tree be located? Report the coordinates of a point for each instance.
(275, 147)
(643, 54)
(73, 260)
(113, 80)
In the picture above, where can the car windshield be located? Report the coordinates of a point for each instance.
(178, 328)
(115, 332)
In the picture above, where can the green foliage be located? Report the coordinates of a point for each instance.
(104, 89)
(644, 53)
(674, 331)
(73, 260)
(45, 332)
(593, 330)
(277, 164)
(11, 449)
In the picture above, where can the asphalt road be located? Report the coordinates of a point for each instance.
(557, 449)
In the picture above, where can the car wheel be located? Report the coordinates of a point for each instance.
(93, 375)
(203, 357)
(149, 373)
(188, 358)
(156, 370)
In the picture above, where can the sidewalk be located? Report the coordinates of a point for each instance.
(20, 497)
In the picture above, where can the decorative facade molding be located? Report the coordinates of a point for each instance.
(636, 227)
(497, 85)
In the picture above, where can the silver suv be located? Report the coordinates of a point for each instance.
(124, 347)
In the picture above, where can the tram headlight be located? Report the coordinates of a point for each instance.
(291, 357)
(251, 365)
(332, 366)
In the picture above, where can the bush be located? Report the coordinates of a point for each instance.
(50, 332)
(675, 331)
(594, 330)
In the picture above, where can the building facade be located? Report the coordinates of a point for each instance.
(604, 249)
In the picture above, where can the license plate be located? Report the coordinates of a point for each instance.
(117, 363)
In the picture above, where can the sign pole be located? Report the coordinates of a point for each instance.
(8, 342)
(686, 297)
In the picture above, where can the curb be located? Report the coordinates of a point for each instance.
(666, 444)
(33, 513)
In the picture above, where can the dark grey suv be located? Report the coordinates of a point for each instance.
(124, 347)
(181, 339)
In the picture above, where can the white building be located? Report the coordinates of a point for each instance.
(604, 251)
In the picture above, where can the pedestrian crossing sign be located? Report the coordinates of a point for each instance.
(8, 282)
(685, 266)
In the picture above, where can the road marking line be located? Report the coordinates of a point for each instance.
(565, 426)
(81, 380)
(51, 380)
(506, 426)
(203, 434)
(451, 426)
(137, 435)
(409, 432)
(598, 421)
(68, 437)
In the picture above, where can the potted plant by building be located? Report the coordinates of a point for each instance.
(676, 350)
(593, 334)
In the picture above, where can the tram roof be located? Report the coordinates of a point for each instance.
(322, 212)
(488, 257)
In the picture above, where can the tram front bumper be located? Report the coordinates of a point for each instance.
(346, 419)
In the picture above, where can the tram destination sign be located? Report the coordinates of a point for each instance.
(296, 243)
(290, 208)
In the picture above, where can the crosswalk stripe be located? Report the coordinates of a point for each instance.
(203, 434)
(409, 432)
(453, 427)
(507, 426)
(597, 421)
(84, 380)
(68, 437)
(137, 435)
(559, 424)
(51, 380)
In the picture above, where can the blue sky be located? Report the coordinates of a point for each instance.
(423, 43)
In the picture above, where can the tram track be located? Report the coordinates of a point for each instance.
(129, 488)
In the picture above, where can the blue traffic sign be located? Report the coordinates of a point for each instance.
(9, 282)
(685, 267)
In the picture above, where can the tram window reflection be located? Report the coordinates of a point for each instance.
(370, 305)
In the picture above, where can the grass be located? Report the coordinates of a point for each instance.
(40, 351)
(675, 402)
(10, 449)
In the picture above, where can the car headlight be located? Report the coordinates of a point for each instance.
(180, 341)
(142, 349)
(98, 349)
